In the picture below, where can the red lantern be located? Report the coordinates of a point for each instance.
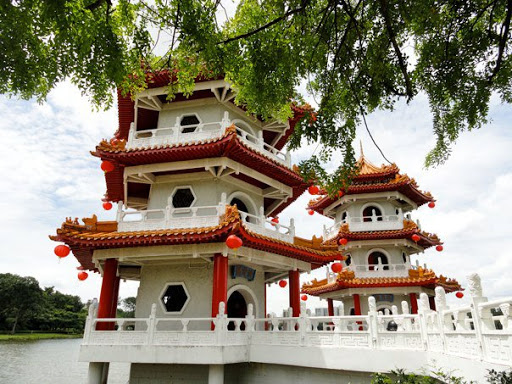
(275, 221)
(311, 212)
(431, 204)
(459, 295)
(304, 297)
(282, 283)
(234, 242)
(336, 267)
(107, 206)
(343, 241)
(415, 238)
(61, 250)
(313, 190)
(82, 276)
(340, 194)
(107, 166)
(439, 248)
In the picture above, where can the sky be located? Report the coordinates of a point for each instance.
(47, 174)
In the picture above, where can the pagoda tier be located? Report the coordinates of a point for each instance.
(371, 179)
(410, 228)
(346, 279)
(94, 235)
(221, 156)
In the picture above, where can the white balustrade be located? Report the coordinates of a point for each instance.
(367, 223)
(381, 270)
(178, 134)
(450, 331)
(264, 226)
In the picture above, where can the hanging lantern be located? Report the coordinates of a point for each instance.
(311, 212)
(415, 238)
(61, 250)
(439, 248)
(82, 275)
(107, 205)
(343, 241)
(282, 283)
(313, 190)
(234, 242)
(336, 267)
(459, 295)
(431, 204)
(304, 297)
(275, 221)
(340, 194)
(107, 166)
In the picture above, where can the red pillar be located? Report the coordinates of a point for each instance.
(108, 287)
(414, 303)
(357, 304)
(432, 302)
(330, 307)
(294, 277)
(220, 282)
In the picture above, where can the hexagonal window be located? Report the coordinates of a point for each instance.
(175, 297)
(189, 123)
(183, 197)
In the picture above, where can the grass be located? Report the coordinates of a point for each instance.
(37, 336)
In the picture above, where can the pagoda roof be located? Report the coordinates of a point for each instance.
(426, 240)
(83, 239)
(228, 145)
(346, 279)
(370, 179)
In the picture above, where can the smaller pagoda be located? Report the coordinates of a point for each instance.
(374, 229)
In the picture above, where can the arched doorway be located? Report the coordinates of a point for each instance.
(373, 260)
(372, 211)
(242, 207)
(236, 308)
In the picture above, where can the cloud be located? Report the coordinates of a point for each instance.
(48, 173)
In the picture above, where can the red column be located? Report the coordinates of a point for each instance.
(330, 307)
(357, 304)
(108, 286)
(220, 282)
(414, 303)
(294, 277)
(432, 302)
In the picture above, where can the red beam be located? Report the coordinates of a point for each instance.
(294, 291)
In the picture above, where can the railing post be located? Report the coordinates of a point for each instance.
(89, 321)
(423, 310)
(288, 158)
(221, 324)
(372, 322)
(249, 320)
(476, 295)
(440, 300)
(152, 325)
(304, 323)
(261, 142)
(291, 230)
(407, 326)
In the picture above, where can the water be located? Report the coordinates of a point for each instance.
(50, 361)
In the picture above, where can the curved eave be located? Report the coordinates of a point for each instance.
(229, 146)
(406, 188)
(380, 283)
(425, 241)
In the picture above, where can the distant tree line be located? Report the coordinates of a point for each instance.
(24, 305)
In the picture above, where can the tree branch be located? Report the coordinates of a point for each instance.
(97, 4)
(503, 42)
(392, 38)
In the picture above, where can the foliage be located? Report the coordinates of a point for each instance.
(401, 377)
(495, 377)
(24, 305)
(355, 56)
(127, 309)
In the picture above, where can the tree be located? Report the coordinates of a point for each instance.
(20, 298)
(355, 55)
(127, 308)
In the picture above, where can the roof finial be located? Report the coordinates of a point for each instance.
(361, 146)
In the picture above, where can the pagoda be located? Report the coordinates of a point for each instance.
(373, 226)
(199, 184)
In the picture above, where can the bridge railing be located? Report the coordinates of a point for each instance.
(481, 330)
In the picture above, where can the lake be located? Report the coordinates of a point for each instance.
(50, 361)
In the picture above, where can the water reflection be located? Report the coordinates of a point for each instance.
(49, 361)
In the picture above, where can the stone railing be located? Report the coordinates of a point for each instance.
(367, 223)
(264, 226)
(480, 331)
(201, 132)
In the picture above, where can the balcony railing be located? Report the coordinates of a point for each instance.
(197, 217)
(367, 223)
(481, 332)
(178, 134)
